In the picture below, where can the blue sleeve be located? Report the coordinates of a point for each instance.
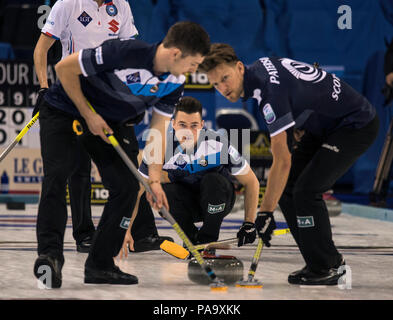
(113, 54)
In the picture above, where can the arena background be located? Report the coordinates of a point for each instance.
(347, 38)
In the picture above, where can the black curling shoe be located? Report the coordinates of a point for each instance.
(149, 243)
(111, 276)
(307, 277)
(295, 276)
(84, 245)
(51, 278)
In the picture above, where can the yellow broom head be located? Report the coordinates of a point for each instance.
(174, 249)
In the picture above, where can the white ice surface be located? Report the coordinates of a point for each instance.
(367, 246)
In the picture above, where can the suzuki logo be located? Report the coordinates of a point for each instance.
(114, 26)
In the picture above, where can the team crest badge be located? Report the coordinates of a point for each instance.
(180, 162)
(203, 162)
(111, 10)
(154, 88)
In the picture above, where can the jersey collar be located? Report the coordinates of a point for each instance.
(150, 65)
(252, 81)
(247, 84)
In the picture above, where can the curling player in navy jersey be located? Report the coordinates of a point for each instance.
(319, 126)
(120, 79)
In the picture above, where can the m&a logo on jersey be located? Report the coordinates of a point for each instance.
(133, 78)
(111, 10)
(215, 208)
(268, 113)
(84, 18)
(305, 222)
(125, 223)
(180, 162)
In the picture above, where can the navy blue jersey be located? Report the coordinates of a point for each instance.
(211, 153)
(292, 93)
(119, 81)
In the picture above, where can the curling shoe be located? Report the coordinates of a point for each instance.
(84, 245)
(295, 276)
(307, 277)
(150, 243)
(41, 271)
(110, 276)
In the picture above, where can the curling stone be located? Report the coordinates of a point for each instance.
(229, 269)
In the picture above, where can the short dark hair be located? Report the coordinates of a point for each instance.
(188, 105)
(219, 53)
(189, 37)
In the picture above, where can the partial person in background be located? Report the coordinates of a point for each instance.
(81, 24)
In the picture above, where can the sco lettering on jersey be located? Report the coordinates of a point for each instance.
(336, 87)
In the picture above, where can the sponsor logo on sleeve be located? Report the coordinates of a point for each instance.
(269, 114)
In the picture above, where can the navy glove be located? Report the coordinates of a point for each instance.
(265, 225)
(246, 234)
(40, 99)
